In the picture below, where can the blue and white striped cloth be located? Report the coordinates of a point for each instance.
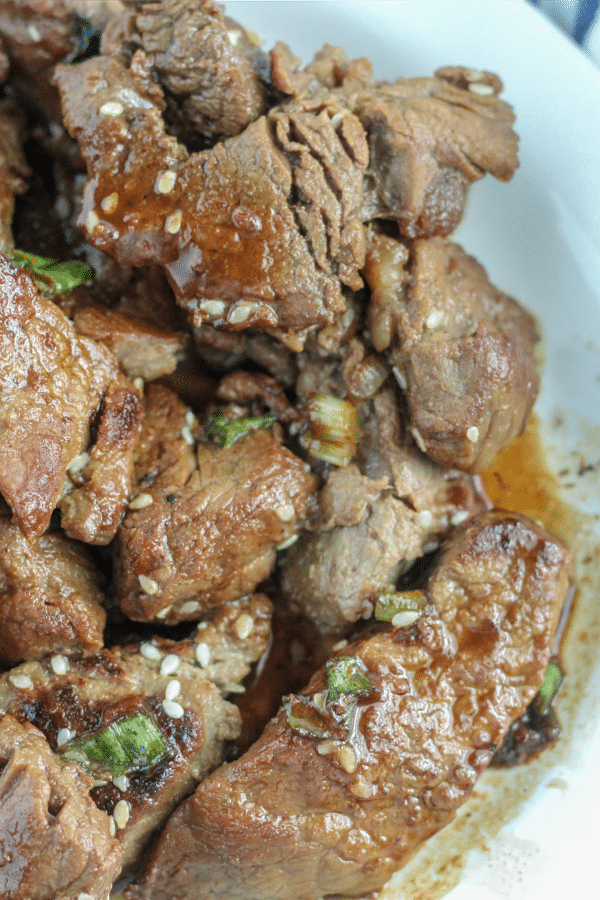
(579, 18)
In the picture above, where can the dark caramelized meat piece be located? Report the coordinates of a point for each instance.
(206, 520)
(346, 782)
(463, 349)
(55, 390)
(50, 599)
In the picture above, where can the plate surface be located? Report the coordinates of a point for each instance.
(533, 833)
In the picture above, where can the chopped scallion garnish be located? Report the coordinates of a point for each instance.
(225, 432)
(128, 745)
(553, 679)
(52, 277)
(334, 429)
(345, 675)
(400, 608)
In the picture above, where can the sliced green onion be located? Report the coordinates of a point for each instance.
(225, 432)
(128, 745)
(52, 277)
(401, 609)
(345, 675)
(305, 719)
(553, 679)
(334, 429)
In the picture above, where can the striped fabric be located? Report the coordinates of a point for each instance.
(579, 18)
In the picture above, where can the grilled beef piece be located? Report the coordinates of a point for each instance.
(208, 519)
(429, 139)
(55, 844)
(280, 245)
(50, 597)
(211, 72)
(14, 170)
(343, 787)
(143, 350)
(223, 351)
(464, 349)
(69, 419)
(377, 516)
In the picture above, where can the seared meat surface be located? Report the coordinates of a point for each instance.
(50, 597)
(335, 810)
(55, 388)
(55, 843)
(210, 518)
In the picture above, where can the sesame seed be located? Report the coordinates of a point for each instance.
(400, 378)
(203, 655)
(473, 434)
(99, 782)
(285, 512)
(92, 220)
(234, 688)
(406, 618)
(121, 782)
(459, 516)
(319, 701)
(285, 544)
(173, 222)
(79, 463)
(84, 897)
(111, 108)
(425, 518)
(243, 626)
(190, 418)
(110, 202)
(150, 651)
(141, 501)
(121, 813)
(419, 440)
(166, 182)
(170, 664)
(173, 709)
(340, 644)
(348, 759)
(59, 664)
(138, 384)
(63, 736)
(240, 313)
(23, 682)
(149, 585)
(190, 607)
(213, 308)
(434, 318)
(481, 88)
(326, 747)
(34, 33)
(362, 789)
(336, 119)
(112, 826)
(173, 689)
(187, 435)
(430, 546)
(163, 613)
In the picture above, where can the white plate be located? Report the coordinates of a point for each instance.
(539, 238)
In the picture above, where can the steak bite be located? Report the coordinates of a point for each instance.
(69, 418)
(386, 741)
(205, 521)
(463, 350)
(211, 72)
(261, 231)
(55, 844)
(50, 597)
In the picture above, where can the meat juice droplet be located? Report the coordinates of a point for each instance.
(246, 220)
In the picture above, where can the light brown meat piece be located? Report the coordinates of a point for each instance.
(55, 844)
(463, 350)
(211, 517)
(336, 807)
(55, 389)
(50, 597)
